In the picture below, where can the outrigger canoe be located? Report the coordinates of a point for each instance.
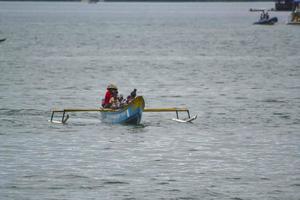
(130, 114)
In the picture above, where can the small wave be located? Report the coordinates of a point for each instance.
(163, 183)
(11, 112)
(87, 88)
(84, 187)
(193, 150)
(115, 183)
(294, 87)
(187, 198)
(233, 178)
(236, 198)
(120, 174)
(174, 190)
(16, 187)
(295, 185)
(67, 98)
(73, 176)
(273, 101)
(10, 187)
(241, 98)
(282, 115)
(69, 88)
(220, 82)
(278, 113)
(56, 188)
(129, 198)
(265, 179)
(30, 176)
(285, 117)
(256, 88)
(171, 96)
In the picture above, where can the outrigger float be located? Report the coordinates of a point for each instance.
(130, 114)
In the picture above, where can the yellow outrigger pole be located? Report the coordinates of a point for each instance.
(66, 117)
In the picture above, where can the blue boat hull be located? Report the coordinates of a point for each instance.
(131, 114)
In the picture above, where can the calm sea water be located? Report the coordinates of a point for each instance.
(243, 82)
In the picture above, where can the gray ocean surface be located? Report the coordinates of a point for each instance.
(242, 80)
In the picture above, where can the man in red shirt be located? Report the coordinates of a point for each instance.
(109, 94)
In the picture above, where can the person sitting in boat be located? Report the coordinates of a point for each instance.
(111, 88)
(267, 15)
(262, 15)
(114, 101)
(133, 93)
(121, 100)
(131, 96)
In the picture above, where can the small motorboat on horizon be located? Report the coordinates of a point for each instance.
(265, 18)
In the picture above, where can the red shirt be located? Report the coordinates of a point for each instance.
(108, 95)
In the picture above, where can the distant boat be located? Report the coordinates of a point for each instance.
(295, 15)
(2, 40)
(264, 17)
(269, 21)
(284, 5)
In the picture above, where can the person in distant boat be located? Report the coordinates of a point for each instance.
(111, 88)
(267, 15)
(262, 15)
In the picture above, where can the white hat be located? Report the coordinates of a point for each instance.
(112, 86)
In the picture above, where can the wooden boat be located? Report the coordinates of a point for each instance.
(130, 114)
